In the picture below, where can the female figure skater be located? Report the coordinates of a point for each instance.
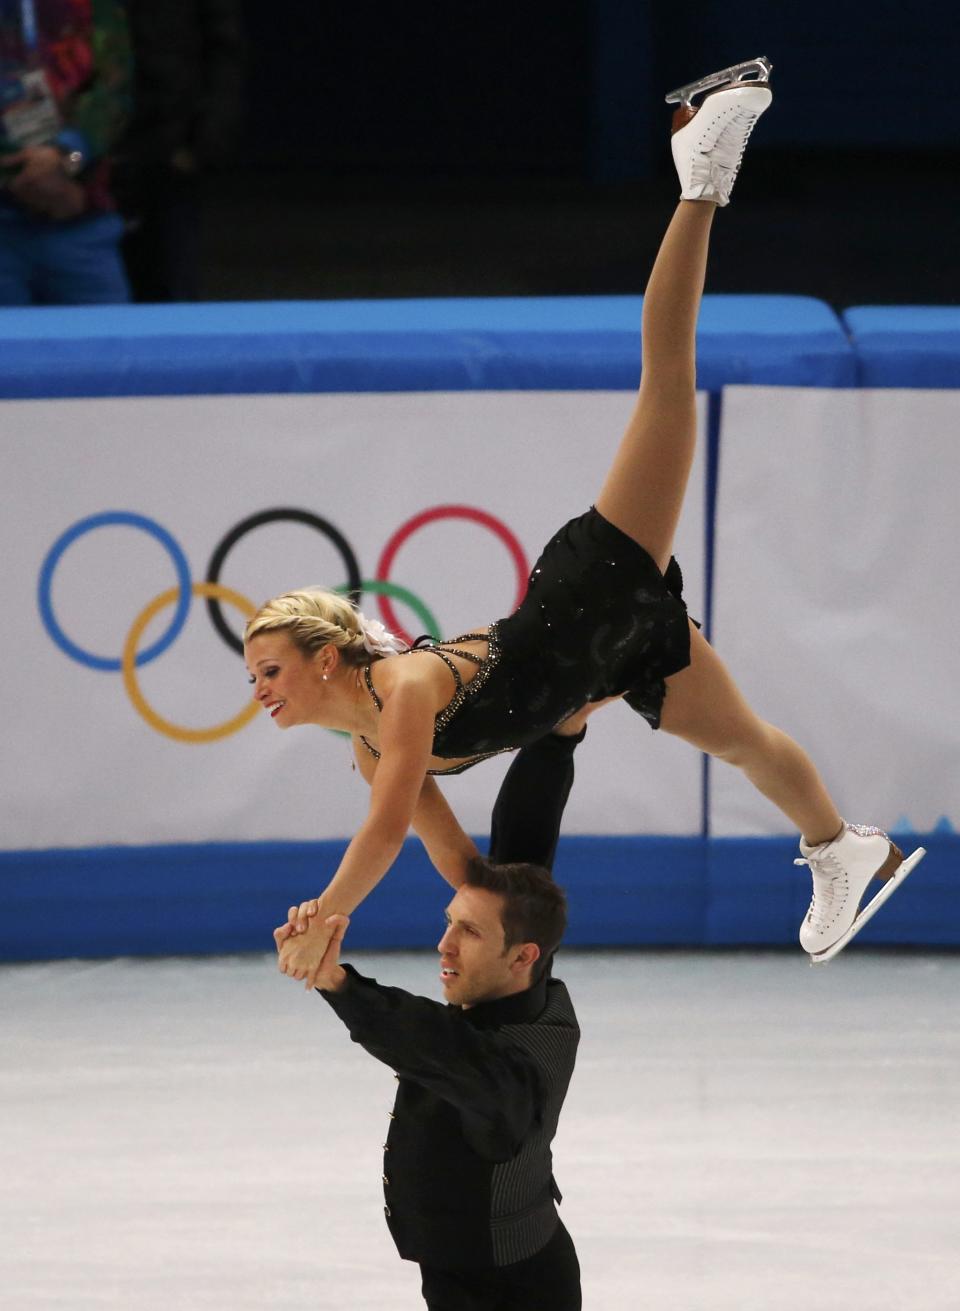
(603, 616)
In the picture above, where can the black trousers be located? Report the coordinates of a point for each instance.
(529, 808)
(547, 1281)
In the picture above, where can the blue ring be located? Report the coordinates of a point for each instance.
(66, 539)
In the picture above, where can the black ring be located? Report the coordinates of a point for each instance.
(256, 521)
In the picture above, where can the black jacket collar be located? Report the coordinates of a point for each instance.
(518, 1008)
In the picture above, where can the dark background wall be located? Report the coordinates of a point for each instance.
(436, 147)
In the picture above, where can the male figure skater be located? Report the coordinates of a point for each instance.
(468, 1186)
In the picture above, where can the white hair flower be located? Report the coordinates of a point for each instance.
(377, 640)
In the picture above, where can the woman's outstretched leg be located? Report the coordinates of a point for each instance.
(643, 495)
(705, 707)
(644, 489)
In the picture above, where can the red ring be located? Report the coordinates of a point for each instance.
(407, 530)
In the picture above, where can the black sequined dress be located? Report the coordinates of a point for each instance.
(598, 619)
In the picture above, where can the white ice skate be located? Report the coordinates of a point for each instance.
(709, 140)
(842, 869)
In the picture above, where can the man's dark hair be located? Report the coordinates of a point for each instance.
(534, 907)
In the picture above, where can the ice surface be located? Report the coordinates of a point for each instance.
(743, 1133)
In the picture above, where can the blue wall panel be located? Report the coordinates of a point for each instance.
(644, 891)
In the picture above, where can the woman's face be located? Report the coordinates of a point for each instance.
(285, 681)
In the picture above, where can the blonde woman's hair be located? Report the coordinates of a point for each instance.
(313, 618)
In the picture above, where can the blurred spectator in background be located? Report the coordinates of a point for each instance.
(64, 86)
(187, 114)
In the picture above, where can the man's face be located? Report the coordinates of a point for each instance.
(475, 965)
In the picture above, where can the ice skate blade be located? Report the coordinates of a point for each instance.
(885, 893)
(760, 67)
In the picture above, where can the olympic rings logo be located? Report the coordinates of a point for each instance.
(215, 594)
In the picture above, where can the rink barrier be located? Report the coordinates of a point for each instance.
(643, 891)
(638, 890)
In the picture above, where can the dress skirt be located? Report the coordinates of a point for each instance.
(599, 619)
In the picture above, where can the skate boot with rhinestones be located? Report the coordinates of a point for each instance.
(709, 140)
(842, 870)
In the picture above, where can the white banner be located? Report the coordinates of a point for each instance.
(835, 599)
(107, 504)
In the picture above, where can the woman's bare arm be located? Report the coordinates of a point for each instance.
(434, 823)
(406, 742)
(448, 846)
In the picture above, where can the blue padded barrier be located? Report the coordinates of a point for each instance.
(905, 345)
(537, 343)
(640, 891)
(215, 897)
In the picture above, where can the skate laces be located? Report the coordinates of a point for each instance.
(719, 163)
(829, 885)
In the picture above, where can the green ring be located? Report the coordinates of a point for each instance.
(381, 587)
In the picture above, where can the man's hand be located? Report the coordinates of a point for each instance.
(41, 185)
(310, 948)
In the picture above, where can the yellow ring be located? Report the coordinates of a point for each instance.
(130, 676)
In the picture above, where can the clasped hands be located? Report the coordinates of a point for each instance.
(309, 947)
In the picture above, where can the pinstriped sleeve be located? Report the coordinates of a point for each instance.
(493, 1083)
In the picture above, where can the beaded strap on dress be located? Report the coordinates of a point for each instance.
(464, 692)
(370, 688)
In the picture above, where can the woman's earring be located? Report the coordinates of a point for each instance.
(324, 677)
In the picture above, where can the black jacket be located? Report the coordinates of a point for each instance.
(467, 1164)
